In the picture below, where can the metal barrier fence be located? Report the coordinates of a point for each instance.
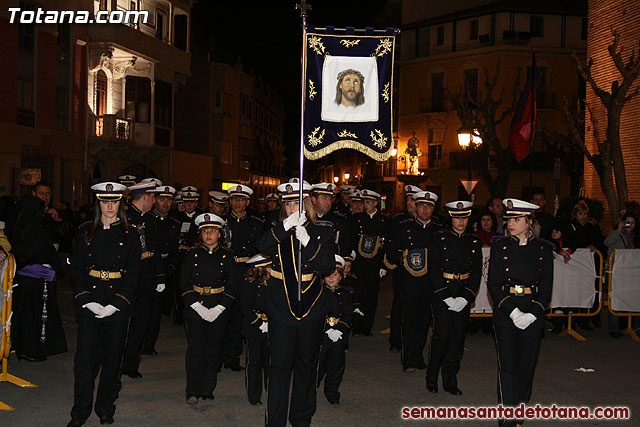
(611, 291)
(5, 342)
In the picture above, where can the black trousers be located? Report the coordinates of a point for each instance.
(295, 346)
(142, 308)
(369, 274)
(233, 337)
(415, 321)
(204, 349)
(331, 366)
(153, 329)
(257, 365)
(395, 318)
(447, 345)
(517, 357)
(100, 345)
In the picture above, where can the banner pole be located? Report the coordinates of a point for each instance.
(303, 6)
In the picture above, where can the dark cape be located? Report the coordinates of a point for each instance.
(37, 329)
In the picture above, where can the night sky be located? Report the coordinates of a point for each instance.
(267, 34)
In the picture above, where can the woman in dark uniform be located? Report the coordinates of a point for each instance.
(295, 323)
(208, 286)
(520, 283)
(105, 266)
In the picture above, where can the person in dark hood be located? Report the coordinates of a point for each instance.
(37, 330)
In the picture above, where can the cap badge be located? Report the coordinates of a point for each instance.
(239, 188)
(207, 218)
(509, 204)
(109, 187)
(459, 205)
(288, 188)
(166, 189)
(330, 187)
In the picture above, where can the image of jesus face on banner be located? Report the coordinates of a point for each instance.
(355, 98)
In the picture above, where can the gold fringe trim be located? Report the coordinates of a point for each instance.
(354, 145)
(412, 272)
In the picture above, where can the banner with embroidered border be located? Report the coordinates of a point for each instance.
(349, 93)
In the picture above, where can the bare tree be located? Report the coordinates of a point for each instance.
(483, 114)
(607, 157)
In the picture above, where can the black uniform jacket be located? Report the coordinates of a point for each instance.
(144, 224)
(188, 229)
(208, 277)
(167, 241)
(252, 295)
(318, 259)
(368, 234)
(244, 233)
(530, 265)
(342, 236)
(459, 256)
(112, 252)
(339, 309)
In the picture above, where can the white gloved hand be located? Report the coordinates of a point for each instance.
(161, 287)
(264, 327)
(358, 311)
(214, 312)
(458, 304)
(107, 311)
(201, 310)
(515, 314)
(294, 220)
(94, 307)
(449, 301)
(333, 334)
(353, 255)
(302, 235)
(524, 321)
(382, 272)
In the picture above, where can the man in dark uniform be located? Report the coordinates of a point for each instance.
(219, 205)
(344, 204)
(408, 253)
(455, 270)
(245, 230)
(168, 231)
(368, 231)
(272, 215)
(322, 198)
(357, 205)
(188, 235)
(152, 276)
(395, 317)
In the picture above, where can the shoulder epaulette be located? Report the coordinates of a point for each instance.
(340, 214)
(257, 218)
(496, 238)
(324, 223)
(548, 243)
(404, 221)
(84, 225)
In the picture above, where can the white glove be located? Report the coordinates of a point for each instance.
(449, 301)
(458, 304)
(353, 255)
(358, 311)
(107, 311)
(264, 327)
(94, 307)
(161, 287)
(294, 219)
(302, 235)
(382, 272)
(524, 321)
(214, 312)
(201, 310)
(515, 314)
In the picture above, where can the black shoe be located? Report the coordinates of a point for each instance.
(150, 353)
(133, 374)
(106, 419)
(256, 403)
(75, 423)
(433, 388)
(207, 396)
(394, 349)
(409, 370)
(455, 391)
(334, 402)
(234, 366)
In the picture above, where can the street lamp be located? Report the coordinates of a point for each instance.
(335, 179)
(469, 140)
(346, 176)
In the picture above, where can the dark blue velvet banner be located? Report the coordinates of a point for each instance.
(349, 94)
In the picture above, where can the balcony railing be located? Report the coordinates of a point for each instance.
(110, 126)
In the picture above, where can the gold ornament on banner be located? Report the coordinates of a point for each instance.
(349, 43)
(385, 92)
(345, 134)
(316, 44)
(384, 47)
(312, 90)
(315, 138)
(379, 140)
